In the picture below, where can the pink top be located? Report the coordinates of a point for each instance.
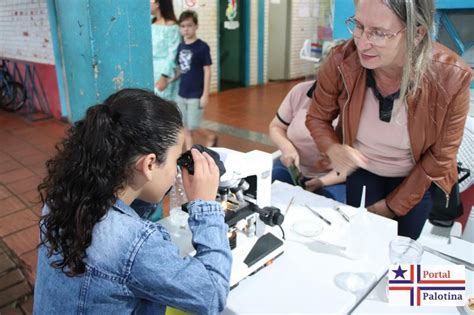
(386, 145)
(293, 111)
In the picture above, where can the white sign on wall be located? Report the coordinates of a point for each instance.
(190, 4)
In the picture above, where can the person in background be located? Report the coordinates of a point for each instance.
(165, 40)
(289, 133)
(194, 59)
(97, 254)
(402, 101)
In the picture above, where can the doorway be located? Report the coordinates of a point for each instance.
(279, 40)
(233, 41)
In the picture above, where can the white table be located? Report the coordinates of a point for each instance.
(302, 280)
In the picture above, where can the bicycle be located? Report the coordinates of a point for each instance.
(12, 93)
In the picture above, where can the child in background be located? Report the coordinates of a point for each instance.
(165, 40)
(194, 60)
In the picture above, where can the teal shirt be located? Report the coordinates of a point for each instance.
(165, 41)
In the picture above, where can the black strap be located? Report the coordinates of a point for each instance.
(385, 103)
(281, 119)
(463, 170)
(311, 90)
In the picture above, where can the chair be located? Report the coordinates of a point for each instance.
(466, 153)
(465, 156)
(310, 52)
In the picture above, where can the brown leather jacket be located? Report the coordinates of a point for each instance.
(436, 118)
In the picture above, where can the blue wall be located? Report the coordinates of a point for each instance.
(345, 8)
(105, 45)
(342, 10)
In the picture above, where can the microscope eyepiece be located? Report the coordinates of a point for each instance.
(186, 159)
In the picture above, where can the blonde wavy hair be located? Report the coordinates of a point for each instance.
(415, 14)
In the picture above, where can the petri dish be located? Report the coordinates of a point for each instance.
(307, 228)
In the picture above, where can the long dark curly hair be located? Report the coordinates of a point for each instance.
(94, 162)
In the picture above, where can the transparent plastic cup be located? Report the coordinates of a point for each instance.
(179, 218)
(404, 250)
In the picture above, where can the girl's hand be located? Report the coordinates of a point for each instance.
(162, 83)
(203, 184)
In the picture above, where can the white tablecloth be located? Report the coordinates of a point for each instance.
(302, 280)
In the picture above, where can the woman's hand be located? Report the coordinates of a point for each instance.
(203, 184)
(313, 184)
(381, 208)
(345, 159)
(162, 83)
(290, 156)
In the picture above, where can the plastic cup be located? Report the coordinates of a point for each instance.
(404, 250)
(179, 218)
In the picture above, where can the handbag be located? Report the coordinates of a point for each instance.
(443, 214)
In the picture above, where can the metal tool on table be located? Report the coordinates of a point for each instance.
(318, 215)
(343, 215)
(454, 260)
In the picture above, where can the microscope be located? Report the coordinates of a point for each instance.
(245, 194)
(254, 226)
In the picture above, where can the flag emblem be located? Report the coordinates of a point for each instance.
(419, 285)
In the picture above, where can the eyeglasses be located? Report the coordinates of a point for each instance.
(375, 37)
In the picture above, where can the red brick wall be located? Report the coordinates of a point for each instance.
(25, 32)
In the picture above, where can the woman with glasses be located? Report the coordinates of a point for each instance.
(403, 101)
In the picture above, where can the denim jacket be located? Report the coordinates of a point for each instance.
(132, 267)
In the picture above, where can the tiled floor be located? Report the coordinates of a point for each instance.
(15, 291)
(235, 115)
(24, 149)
